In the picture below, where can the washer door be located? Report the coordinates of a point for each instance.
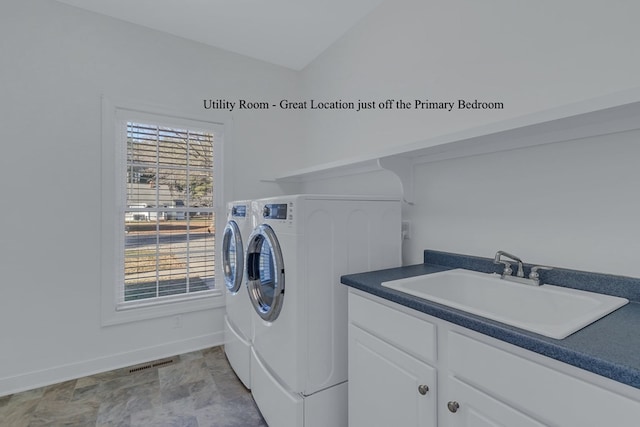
(265, 273)
(232, 257)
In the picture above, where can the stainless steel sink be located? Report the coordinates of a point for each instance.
(552, 311)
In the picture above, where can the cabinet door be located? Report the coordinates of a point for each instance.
(473, 408)
(551, 396)
(387, 387)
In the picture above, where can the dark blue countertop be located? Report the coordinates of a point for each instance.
(609, 347)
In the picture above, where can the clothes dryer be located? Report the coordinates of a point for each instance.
(295, 257)
(238, 319)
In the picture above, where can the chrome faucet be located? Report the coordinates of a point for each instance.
(534, 277)
(507, 267)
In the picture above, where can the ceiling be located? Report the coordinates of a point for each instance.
(290, 33)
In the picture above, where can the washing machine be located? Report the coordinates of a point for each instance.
(238, 330)
(294, 259)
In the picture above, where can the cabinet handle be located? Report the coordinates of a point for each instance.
(453, 406)
(423, 389)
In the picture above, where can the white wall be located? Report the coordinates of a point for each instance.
(56, 63)
(531, 55)
(570, 204)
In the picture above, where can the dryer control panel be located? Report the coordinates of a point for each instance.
(239, 211)
(275, 211)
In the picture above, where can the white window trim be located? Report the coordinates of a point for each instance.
(112, 232)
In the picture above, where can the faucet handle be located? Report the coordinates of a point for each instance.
(507, 268)
(534, 271)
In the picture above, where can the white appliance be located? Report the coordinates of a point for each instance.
(295, 256)
(238, 329)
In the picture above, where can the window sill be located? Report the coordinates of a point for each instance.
(113, 316)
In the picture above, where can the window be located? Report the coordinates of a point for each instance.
(169, 219)
(162, 244)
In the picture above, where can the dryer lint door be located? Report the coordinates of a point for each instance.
(265, 273)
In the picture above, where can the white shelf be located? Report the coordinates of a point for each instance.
(613, 113)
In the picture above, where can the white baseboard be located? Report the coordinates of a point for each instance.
(35, 379)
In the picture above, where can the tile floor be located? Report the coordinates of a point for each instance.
(198, 390)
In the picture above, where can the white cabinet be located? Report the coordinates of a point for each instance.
(391, 382)
(548, 394)
(387, 387)
(473, 380)
(474, 408)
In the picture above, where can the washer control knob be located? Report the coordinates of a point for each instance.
(266, 211)
(453, 406)
(423, 389)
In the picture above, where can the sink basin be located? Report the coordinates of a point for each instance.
(549, 310)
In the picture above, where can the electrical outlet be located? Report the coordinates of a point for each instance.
(177, 322)
(406, 230)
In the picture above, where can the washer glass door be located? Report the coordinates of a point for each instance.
(232, 257)
(265, 272)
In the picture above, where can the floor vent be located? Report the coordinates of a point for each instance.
(155, 364)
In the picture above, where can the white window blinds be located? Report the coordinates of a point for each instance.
(168, 215)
